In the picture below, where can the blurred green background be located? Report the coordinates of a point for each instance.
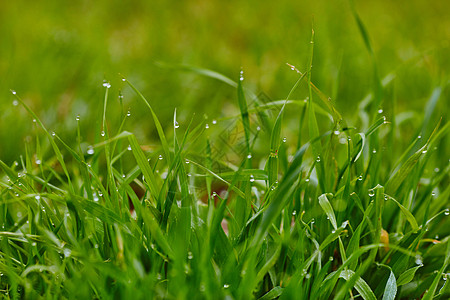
(56, 54)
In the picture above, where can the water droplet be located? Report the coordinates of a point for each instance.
(252, 178)
(95, 197)
(38, 161)
(433, 194)
(207, 126)
(129, 148)
(106, 84)
(33, 244)
(318, 159)
(360, 178)
(90, 150)
(225, 286)
(102, 133)
(175, 124)
(380, 111)
(344, 224)
(120, 96)
(386, 198)
(418, 260)
(13, 92)
(128, 113)
(447, 212)
(307, 180)
(436, 170)
(284, 140)
(331, 258)
(371, 193)
(123, 175)
(333, 231)
(15, 102)
(37, 197)
(419, 137)
(190, 256)
(249, 156)
(374, 151)
(307, 276)
(241, 75)
(34, 120)
(258, 128)
(160, 157)
(214, 122)
(337, 132)
(294, 212)
(77, 118)
(67, 252)
(424, 151)
(124, 79)
(187, 161)
(53, 133)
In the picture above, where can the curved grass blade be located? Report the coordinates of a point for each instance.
(412, 221)
(407, 276)
(360, 285)
(158, 126)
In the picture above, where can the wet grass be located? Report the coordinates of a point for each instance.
(292, 198)
(230, 207)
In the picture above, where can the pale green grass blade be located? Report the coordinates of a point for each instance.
(391, 288)
(328, 209)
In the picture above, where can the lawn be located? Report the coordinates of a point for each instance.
(212, 150)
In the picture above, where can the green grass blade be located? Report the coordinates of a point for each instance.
(244, 112)
(391, 288)
(328, 209)
(272, 294)
(407, 276)
(412, 221)
(158, 126)
(360, 285)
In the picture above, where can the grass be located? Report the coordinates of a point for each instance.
(332, 214)
(274, 199)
